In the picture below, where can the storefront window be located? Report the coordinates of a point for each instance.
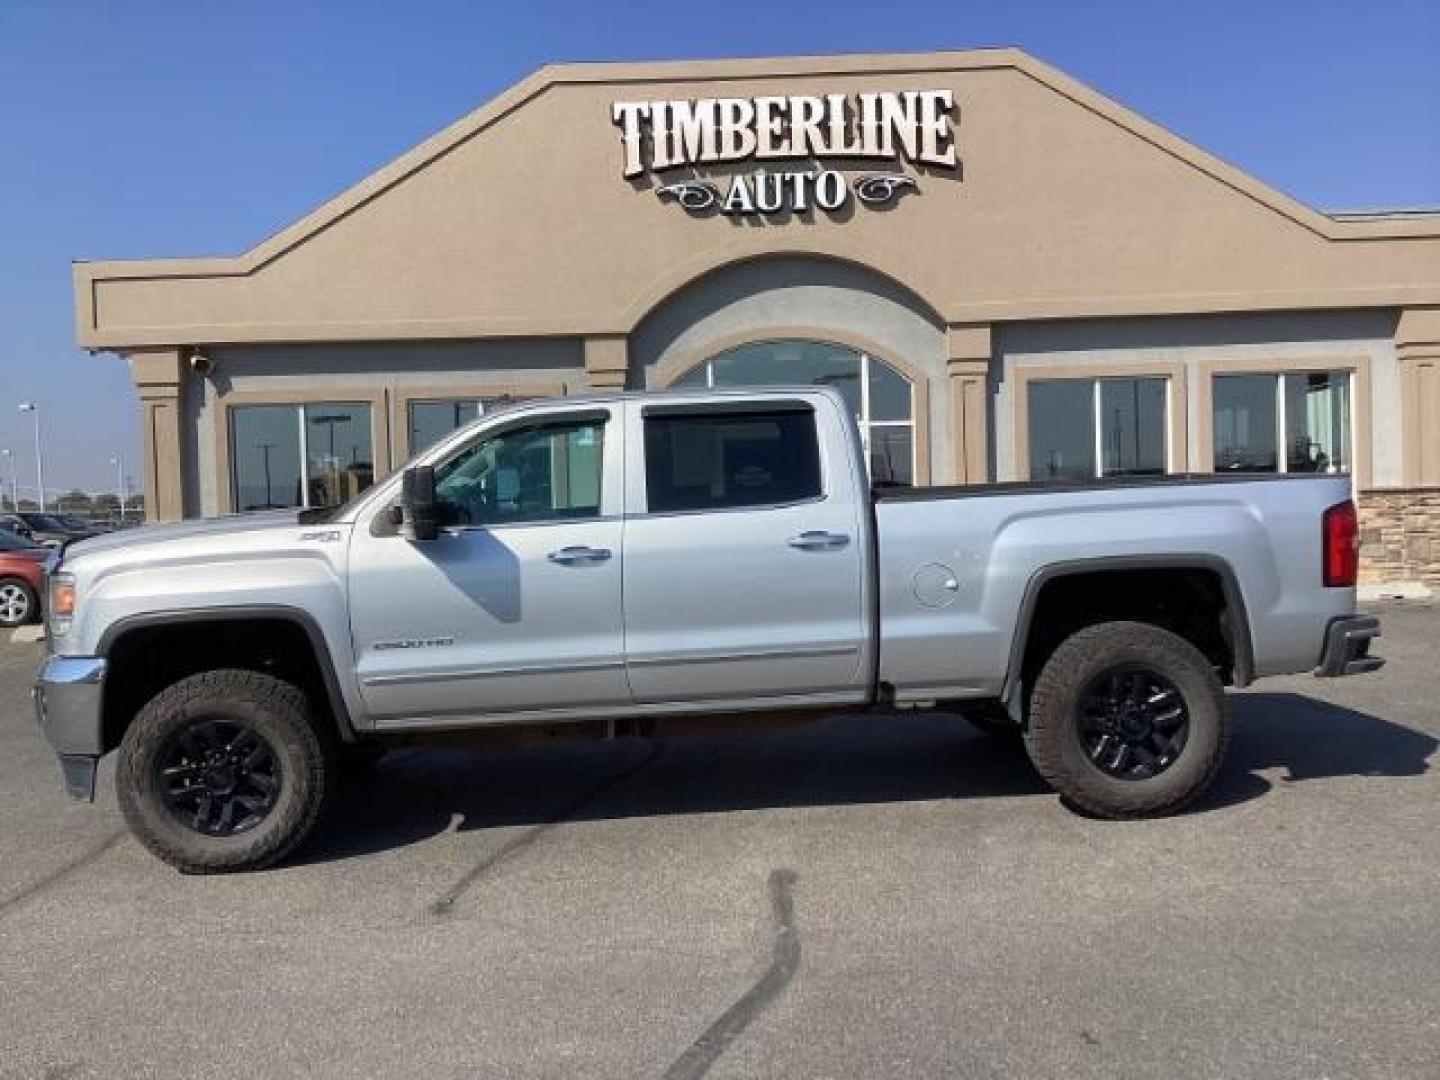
(337, 453)
(881, 399)
(265, 456)
(1311, 408)
(1062, 429)
(1317, 422)
(431, 421)
(299, 455)
(1083, 428)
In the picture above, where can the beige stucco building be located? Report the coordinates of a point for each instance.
(1010, 275)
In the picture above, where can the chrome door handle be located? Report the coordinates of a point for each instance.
(578, 556)
(819, 540)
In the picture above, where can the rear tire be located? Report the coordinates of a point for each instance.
(18, 603)
(1103, 729)
(225, 771)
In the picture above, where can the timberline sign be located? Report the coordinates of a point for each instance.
(914, 126)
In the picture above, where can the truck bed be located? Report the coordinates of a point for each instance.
(1108, 483)
(957, 565)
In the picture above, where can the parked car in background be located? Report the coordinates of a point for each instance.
(50, 530)
(22, 579)
(81, 524)
(10, 523)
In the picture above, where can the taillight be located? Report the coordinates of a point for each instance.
(1340, 529)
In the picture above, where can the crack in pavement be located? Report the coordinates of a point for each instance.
(703, 1052)
(57, 875)
(444, 904)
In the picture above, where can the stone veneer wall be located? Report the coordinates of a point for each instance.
(1400, 535)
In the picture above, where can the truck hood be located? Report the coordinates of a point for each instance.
(146, 535)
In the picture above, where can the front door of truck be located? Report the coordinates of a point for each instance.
(515, 607)
(745, 552)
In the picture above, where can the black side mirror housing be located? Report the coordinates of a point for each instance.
(420, 513)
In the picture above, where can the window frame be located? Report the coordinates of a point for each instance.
(1282, 448)
(1176, 407)
(1357, 365)
(225, 458)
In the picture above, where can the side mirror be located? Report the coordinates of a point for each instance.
(420, 513)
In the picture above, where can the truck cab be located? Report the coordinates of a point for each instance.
(594, 556)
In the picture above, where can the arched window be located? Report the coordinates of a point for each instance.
(879, 396)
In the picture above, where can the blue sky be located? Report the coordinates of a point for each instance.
(195, 128)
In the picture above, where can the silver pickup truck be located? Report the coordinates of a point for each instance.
(624, 564)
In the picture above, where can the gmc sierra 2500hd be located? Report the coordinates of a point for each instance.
(577, 564)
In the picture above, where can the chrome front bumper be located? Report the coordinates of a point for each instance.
(1347, 646)
(67, 696)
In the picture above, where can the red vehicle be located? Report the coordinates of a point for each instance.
(22, 579)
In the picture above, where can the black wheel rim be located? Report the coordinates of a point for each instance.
(1133, 722)
(219, 777)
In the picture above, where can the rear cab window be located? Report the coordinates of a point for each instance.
(726, 458)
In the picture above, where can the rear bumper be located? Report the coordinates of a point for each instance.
(1347, 647)
(67, 696)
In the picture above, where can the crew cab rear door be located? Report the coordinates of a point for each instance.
(746, 551)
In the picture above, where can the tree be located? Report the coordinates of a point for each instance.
(73, 502)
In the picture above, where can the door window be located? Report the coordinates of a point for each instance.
(725, 461)
(540, 472)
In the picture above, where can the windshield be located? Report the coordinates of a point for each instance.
(45, 522)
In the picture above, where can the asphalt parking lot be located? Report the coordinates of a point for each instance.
(871, 896)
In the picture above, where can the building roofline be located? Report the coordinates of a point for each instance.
(1330, 226)
(1399, 213)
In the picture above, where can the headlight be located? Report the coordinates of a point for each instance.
(61, 607)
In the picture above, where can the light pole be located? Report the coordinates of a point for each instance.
(9, 456)
(31, 407)
(119, 463)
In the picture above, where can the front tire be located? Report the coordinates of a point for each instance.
(224, 771)
(1127, 721)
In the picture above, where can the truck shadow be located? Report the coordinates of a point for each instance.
(418, 792)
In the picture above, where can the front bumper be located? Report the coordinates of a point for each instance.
(67, 696)
(1347, 646)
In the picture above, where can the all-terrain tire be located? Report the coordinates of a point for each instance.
(26, 608)
(274, 710)
(1052, 735)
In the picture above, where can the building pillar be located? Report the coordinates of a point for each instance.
(607, 362)
(1417, 348)
(968, 365)
(159, 375)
